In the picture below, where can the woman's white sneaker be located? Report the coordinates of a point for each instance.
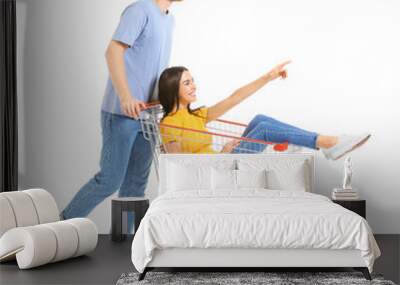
(345, 145)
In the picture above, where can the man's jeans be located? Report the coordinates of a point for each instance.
(125, 163)
(271, 130)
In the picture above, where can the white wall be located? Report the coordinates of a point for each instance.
(342, 80)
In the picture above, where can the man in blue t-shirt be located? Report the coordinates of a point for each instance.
(137, 54)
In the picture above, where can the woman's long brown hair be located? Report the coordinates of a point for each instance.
(168, 89)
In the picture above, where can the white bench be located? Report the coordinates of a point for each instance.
(31, 232)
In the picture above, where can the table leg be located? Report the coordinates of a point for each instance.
(116, 222)
(140, 211)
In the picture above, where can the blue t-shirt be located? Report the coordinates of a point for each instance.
(148, 32)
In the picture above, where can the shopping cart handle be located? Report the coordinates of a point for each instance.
(151, 105)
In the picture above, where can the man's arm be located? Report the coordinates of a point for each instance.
(116, 65)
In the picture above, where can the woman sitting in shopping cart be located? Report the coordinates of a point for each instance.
(183, 130)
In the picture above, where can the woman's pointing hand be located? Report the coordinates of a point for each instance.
(278, 71)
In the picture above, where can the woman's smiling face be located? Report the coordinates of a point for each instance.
(187, 89)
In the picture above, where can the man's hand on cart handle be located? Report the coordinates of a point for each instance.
(230, 146)
(132, 107)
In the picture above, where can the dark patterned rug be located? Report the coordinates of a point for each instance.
(244, 278)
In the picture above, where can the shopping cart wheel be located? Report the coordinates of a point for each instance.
(281, 146)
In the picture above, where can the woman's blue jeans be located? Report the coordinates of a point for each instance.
(125, 162)
(268, 129)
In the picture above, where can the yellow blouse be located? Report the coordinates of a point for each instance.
(190, 141)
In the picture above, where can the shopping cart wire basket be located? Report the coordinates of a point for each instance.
(219, 132)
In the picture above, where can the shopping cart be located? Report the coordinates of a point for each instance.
(219, 133)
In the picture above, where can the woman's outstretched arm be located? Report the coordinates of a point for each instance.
(214, 112)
